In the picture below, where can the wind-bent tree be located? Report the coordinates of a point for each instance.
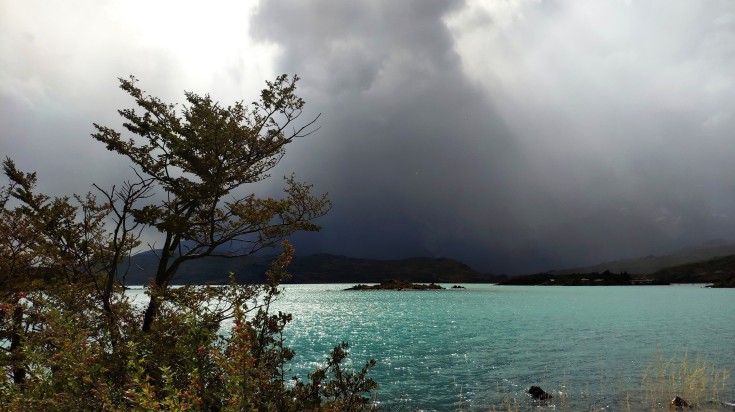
(198, 157)
(72, 339)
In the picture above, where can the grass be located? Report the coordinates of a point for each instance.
(698, 381)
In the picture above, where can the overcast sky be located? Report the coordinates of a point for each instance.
(514, 135)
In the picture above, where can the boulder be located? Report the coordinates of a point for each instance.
(538, 393)
(679, 403)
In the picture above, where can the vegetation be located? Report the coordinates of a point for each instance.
(720, 272)
(698, 382)
(679, 383)
(573, 279)
(70, 339)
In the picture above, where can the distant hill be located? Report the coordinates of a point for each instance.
(651, 264)
(720, 271)
(321, 268)
(142, 266)
(570, 279)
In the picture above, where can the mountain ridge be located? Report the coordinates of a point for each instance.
(318, 268)
(646, 265)
(689, 265)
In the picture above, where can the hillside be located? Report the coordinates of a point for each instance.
(201, 271)
(321, 268)
(719, 271)
(651, 264)
(570, 279)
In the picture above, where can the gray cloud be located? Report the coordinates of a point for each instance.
(537, 135)
(415, 157)
(516, 136)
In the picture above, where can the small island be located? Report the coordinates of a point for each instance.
(397, 285)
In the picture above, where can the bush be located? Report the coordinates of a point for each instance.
(186, 362)
(70, 339)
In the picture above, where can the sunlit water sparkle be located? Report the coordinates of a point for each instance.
(469, 348)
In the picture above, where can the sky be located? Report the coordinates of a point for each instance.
(513, 135)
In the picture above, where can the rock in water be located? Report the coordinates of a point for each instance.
(538, 393)
(679, 403)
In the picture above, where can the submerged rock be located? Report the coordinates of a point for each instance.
(538, 393)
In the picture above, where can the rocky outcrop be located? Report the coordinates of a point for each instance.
(397, 285)
(679, 403)
(539, 394)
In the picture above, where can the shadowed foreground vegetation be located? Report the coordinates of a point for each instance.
(70, 338)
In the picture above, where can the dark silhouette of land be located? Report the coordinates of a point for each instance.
(719, 271)
(397, 285)
(645, 265)
(711, 262)
(321, 268)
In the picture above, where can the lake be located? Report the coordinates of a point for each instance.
(472, 348)
(482, 347)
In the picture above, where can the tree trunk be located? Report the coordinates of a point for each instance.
(163, 277)
(16, 348)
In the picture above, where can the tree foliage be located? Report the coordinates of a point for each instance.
(71, 339)
(198, 156)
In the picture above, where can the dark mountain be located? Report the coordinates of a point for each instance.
(720, 271)
(651, 264)
(321, 268)
(200, 271)
(324, 268)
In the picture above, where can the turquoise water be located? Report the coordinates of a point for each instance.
(468, 349)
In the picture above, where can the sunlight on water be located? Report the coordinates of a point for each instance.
(444, 350)
(484, 346)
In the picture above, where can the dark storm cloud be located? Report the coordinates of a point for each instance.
(517, 137)
(514, 135)
(414, 156)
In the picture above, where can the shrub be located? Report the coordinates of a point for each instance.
(186, 362)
